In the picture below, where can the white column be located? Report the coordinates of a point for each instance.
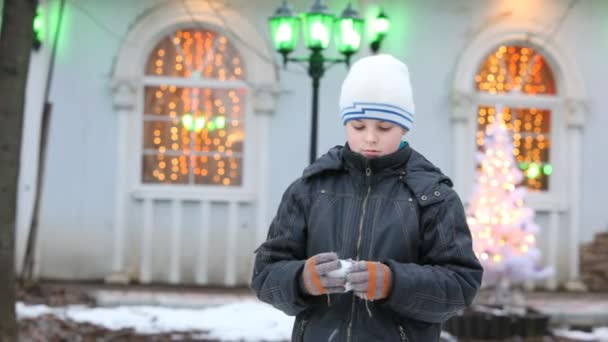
(124, 99)
(264, 105)
(463, 157)
(575, 116)
(263, 171)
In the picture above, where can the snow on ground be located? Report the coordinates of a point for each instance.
(247, 320)
(597, 335)
(31, 311)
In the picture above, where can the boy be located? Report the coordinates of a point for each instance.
(382, 204)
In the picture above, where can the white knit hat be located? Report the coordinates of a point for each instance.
(378, 87)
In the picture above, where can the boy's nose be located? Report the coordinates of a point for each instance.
(370, 137)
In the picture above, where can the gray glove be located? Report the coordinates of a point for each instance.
(370, 280)
(314, 280)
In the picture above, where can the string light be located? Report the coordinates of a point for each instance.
(205, 122)
(511, 69)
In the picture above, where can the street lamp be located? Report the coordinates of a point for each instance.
(318, 27)
(380, 28)
(37, 29)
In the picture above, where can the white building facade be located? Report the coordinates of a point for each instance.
(175, 129)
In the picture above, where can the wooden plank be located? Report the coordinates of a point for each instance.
(202, 270)
(175, 248)
(231, 239)
(146, 242)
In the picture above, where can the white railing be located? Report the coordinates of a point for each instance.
(173, 273)
(553, 236)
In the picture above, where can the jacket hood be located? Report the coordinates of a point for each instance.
(330, 161)
(424, 179)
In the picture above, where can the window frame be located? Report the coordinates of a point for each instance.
(246, 186)
(556, 190)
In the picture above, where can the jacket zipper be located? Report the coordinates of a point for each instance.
(300, 336)
(402, 334)
(368, 173)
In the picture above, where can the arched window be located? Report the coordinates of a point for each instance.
(194, 111)
(520, 73)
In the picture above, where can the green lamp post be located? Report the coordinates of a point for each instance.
(318, 26)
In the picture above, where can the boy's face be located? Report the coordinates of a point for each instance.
(373, 138)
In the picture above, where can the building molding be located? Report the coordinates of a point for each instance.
(569, 78)
(161, 20)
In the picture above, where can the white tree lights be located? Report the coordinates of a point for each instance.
(503, 229)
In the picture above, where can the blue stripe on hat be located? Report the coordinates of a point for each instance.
(378, 111)
(372, 105)
(365, 110)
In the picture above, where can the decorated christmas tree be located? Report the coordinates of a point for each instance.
(503, 228)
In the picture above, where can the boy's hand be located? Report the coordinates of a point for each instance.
(314, 280)
(370, 280)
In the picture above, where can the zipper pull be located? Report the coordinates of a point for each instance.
(402, 334)
(368, 171)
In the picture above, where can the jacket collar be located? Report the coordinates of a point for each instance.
(420, 175)
(395, 160)
(341, 158)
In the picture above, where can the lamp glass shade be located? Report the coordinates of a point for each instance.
(284, 31)
(381, 25)
(317, 30)
(37, 26)
(348, 35)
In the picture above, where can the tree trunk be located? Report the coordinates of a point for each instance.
(15, 47)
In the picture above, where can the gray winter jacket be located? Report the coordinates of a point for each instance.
(398, 209)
